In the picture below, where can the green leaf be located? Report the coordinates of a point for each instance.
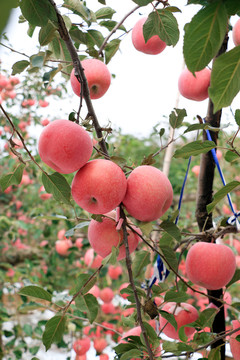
(220, 194)
(71, 231)
(57, 185)
(19, 66)
(225, 79)
(176, 296)
(176, 117)
(95, 37)
(83, 279)
(141, 259)
(37, 60)
(214, 354)
(131, 354)
(164, 24)
(54, 330)
(38, 12)
(48, 76)
(204, 35)
(195, 127)
(169, 317)
(78, 8)
(102, 2)
(142, 2)
(159, 289)
(151, 333)
(110, 24)
(235, 278)
(111, 48)
(205, 319)
(89, 304)
(13, 178)
(170, 256)
(172, 9)
(171, 229)
(237, 116)
(47, 33)
(36, 292)
(5, 10)
(233, 7)
(105, 13)
(231, 156)
(112, 257)
(194, 148)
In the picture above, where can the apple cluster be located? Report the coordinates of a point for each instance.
(7, 86)
(100, 185)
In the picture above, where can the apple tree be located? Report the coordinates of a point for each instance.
(91, 229)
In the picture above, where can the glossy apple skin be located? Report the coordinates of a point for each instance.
(210, 265)
(99, 186)
(153, 46)
(149, 193)
(236, 33)
(97, 75)
(64, 146)
(194, 88)
(234, 344)
(184, 314)
(103, 236)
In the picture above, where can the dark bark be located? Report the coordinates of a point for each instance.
(204, 197)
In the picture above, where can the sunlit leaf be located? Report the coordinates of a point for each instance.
(54, 330)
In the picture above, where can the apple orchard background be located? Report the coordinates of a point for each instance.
(136, 107)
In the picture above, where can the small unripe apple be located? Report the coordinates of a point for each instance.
(64, 146)
(236, 33)
(149, 193)
(210, 265)
(194, 87)
(184, 314)
(97, 75)
(153, 46)
(99, 186)
(103, 236)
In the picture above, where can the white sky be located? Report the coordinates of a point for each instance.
(145, 87)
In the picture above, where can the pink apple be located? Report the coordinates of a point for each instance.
(196, 170)
(64, 146)
(236, 33)
(79, 243)
(106, 295)
(234, 344)
(149, 193)
(153, 46)
(194, 87)
(108, 308)
(81, 346)
(62, 246)
(100, 344)
(43, 103)
(91, 260)
(97, 75)
(103, 357)
(210, 265)
(103, 236)
(184, 313)
(3, 81)
(45, 122)
(114, 271)
(95, 291)
(99, 186)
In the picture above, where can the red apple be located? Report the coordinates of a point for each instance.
(106, 295)
(153, 46)
(210, 265)
(103, 236)
(108, 308)
(234, 344)
(194, 87)
(114, 271)
(100, 344)
(43, 103)
(103, 357)
(64, 146)
(62, 246)
(97, 75)
(81, 346)
(45, 122)
(196, 170)
(99, 186)
(149, 193)
(184, 314)
(236, 33)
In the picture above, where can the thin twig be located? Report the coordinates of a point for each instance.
(115, 29)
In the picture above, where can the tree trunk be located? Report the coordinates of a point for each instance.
(204, 197)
